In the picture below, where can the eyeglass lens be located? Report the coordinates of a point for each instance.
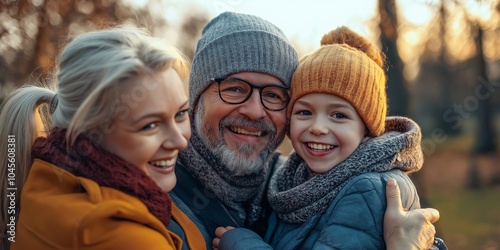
(236, 91)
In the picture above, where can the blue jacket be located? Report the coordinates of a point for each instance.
(354, 220)
(206, 211)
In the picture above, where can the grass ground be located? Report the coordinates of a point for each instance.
(469, 219)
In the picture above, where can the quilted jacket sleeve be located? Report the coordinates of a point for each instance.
(355, 218)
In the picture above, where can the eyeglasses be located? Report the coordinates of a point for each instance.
(236, 91)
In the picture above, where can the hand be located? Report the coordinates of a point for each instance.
(218, 234)
(407, 229)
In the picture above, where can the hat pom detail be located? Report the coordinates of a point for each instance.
(344, 35)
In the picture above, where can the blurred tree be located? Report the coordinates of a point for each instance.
(453, 66)
(448, 72)
(190, 33)
(397, 91)
(443, 74)
(485, 135)
(33, 31)
(438, 83)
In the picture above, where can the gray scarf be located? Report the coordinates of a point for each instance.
(242, 193)
(296, 197)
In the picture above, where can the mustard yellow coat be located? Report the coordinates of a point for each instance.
(63, 211)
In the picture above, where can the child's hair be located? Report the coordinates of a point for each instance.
(88, 74)
(349, 66)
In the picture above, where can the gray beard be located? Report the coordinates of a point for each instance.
(240, 162)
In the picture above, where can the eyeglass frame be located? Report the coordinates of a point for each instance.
(260, 88)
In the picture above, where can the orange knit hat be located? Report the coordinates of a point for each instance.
(348, 66)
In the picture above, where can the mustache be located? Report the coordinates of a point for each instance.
(265, 127)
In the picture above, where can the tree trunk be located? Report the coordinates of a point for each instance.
(397, 91)
(485, 135)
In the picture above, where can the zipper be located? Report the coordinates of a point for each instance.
(228, 214)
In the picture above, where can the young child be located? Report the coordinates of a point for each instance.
(330, 194)
(100, 163)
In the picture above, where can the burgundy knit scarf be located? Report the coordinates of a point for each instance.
(86, 159)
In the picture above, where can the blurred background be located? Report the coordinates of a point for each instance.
(443, 61)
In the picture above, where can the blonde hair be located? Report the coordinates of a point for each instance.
(88, 74)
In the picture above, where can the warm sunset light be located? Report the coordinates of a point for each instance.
(306, 21)
(275, 119)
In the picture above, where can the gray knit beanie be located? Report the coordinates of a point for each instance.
(234, 42)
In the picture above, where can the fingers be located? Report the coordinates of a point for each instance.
(220, 231)
(427, 235)
(432, 234)
(218, 234)
(430, 214)
(215, 243)
(425, 217)
(393, 196)
(412, 229)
